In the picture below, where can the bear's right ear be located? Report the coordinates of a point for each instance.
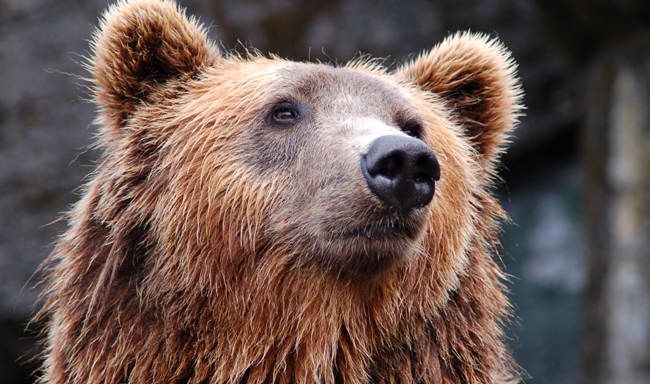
(140, 45)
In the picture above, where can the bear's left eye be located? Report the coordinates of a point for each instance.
(284, 113)
(412, 128)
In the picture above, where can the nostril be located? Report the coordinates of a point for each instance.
(427, 166)
(422, 177)
(388, 166)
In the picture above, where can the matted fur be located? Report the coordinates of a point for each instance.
(185, 262)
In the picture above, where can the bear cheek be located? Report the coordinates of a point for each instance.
(332, 216)
(325, 190)
(341, 198)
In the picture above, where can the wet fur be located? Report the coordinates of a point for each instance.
(195, 254)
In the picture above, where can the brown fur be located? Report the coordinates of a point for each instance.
(209, 248)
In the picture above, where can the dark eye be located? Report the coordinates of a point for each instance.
(412, 128)
(284, 113)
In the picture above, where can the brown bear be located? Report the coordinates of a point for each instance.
(257, 220)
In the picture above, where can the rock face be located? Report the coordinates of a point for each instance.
(617, 163)
(43, 127)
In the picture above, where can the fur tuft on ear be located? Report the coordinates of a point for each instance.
(139, 46)
(477, 77)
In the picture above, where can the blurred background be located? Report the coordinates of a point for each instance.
(576, 179)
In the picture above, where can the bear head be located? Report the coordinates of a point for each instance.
(257, 220)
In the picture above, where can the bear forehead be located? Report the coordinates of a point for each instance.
(342, 89)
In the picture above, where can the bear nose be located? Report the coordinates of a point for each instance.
(401, 171)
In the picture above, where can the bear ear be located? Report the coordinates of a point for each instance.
(477, 79)
(139, 46)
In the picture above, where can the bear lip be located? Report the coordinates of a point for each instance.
(380, 230)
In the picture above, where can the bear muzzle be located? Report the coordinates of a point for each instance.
(401, 171)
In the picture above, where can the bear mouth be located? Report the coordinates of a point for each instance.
(390, 230)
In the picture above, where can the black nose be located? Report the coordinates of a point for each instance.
(401, 171)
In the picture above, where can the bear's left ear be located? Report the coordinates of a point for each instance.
(477, 79)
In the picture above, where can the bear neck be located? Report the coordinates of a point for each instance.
(122, 319)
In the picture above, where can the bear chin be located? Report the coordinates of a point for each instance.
(371, 249)
(374, 261)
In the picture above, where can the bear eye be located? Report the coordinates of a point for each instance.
(284, 113)
(412, 128)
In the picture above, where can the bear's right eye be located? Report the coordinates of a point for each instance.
(284, 113)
